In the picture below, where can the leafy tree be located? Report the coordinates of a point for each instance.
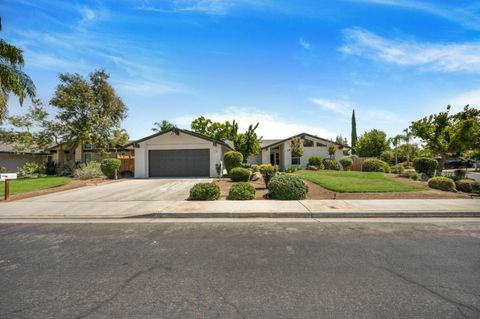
(217, 130)
(331, 151)
(12, 78)
(407, 138)
(248, 143)
(296, 145)
(372, 144)
(395, 141)
(354, 133)
(164, 125)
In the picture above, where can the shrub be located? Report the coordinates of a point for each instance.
(293, 169)
(239, 174)
(375, 165)
(29, 170)
(465, 185)
(442, 183)
(459, 174)
(88, 171)
(232, 159)
(388, 156)
(425, 165)
(315, 161)
(246, 165)
(50, 168)
(110, 167)
(476, 188)
(241, 191)
(346, 163)
(331, 165)
(287, 187)
(68, 168)
(3, 169)
(267, 171)
(397, 169)
(255, 168)
(415, 176)
(205, 191)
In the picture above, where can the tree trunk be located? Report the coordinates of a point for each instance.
(396, 159)
(441, 163)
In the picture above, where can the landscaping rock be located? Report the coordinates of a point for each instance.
(256, 176)
(312, 168)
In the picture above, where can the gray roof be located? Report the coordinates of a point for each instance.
(10, 148)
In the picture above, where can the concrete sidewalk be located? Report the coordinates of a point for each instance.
(243, 209)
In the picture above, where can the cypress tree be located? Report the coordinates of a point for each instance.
(354, 132)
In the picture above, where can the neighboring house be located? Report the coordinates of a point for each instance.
(12, 159)
(278, 152)
(178, 153)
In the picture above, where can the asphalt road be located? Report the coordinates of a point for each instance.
(240, 270)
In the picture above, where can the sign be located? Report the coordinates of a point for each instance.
(5, 176)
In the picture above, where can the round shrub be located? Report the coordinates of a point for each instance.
(397, 169)
(442, 183)
(346, 163)
(88, 171)
(315, 161)
(425, 165)
(459, 174)
(205, 191)
(375, 165)
(110, 167)
(331, 165)
(232, 159)
(287, 187)
(239, 174)
(465, 185)
(476, 188)
(414, 176)
(241, 191)
(267, 171)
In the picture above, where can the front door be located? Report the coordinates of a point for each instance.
(275, 158)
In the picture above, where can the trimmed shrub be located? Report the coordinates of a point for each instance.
(255, 168)
(414, 176)
(29, 170)
(346, 163)
(375, 165)
(232, 159)
(331, 165)
(476, 188)
(88, 171)
(241, 191)
(205, 191)
(287, 187)
(239, 174)
(425, 165)
(315, 161)
(267, 171)
(293, 169)
(442, 183)
(459, 174)
(465, 185)
(246, 165)
(397, 169)
(110, 167)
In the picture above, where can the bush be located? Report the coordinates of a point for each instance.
(331, 165)
(29, 170)
(442, 183)
(346, 163)
(50, 167)
(239, 174)
(255, 168)
(232, 159)
(110, 167)
(205, 191)
(88, 171)
(459, 174)
(415, 176)
(315, 161)
(246, 165)
(287, 187)
(476, 188)
(397, 169)
(465, 185)
(68, 168)
(388, 156)
(293, 169)
(3, 169)
(425, 165)
(267, 171)
(375, 165)
(241, 191)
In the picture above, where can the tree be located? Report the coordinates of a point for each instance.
(12, 78)
(296, 145)
(164, 125)
(395, 141)
(331, 151)
(372, 144)
(354, 133)
(248, 143)
(89, 111)
(407, 137)
(217, 130)
(339, 139)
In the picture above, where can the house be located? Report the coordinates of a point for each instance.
(12, 159)
(278, 152)
(178, 153)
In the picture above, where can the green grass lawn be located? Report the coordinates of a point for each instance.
(357, 182)
(25, 185)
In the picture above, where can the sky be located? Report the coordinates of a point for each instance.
(294, 66)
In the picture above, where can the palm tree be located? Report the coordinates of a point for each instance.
(407, 137)
(162, 126)
(12, 78)
(395, 142)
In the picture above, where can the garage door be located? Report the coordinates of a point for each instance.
(179, 163)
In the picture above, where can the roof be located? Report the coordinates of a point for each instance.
(10, 148)
(275, 142)
(175, 130)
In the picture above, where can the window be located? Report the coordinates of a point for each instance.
(307, 143)
(320, 144)
(87, 157)
(295, 160)
(88, 146)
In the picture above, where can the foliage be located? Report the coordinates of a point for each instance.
(397, 169)
(247, 143)
(255, 168)
(287, 187)
(354, 133)
(315, 161)
(29, 170)
(232, 159)
(110, 167)
(217, 130)
(241, 191)
(68, 168)
(268, 171)
(459, 174)
(331, 164)
(3, 169)
(164, 125)
(339, 139)
(476, 188)
(239, 174)
(389, 157)
(293, 169)
(205, 191)
(346, 163)
(465, 185)
(425, 165)
(331, 149)
(375, 165)
(25, 185)
(395, 141)
(371, 144)
(88, 170)
(296, 145)
(442, 183)
(50, 168)
(412, 150)
(414, 176)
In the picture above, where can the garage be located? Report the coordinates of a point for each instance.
(179, 163)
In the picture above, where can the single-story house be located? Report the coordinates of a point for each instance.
(12, 159)
(178, 153)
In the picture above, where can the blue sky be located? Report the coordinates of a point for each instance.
(291, 65)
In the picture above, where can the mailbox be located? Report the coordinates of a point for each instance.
(5, 176)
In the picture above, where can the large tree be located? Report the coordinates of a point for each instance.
(372, 144)
(164, 125)
(247, 143)
(354, 133)
(12, 78)
(217, 130)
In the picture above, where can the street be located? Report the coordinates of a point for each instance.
(240, 270)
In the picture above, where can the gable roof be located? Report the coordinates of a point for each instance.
(178, 130)
(276, 142)
(11, 149)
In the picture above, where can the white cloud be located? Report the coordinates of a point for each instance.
(471, 98)
(212, 7)
(450, 57)
(341, 107)
(304, 44)
(272, 126)
(144, 88)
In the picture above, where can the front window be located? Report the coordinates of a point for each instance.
(87, 157)
(320, 144)
(88, 146)
(307, 143)
(295, 160)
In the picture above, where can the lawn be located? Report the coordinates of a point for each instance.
(357, 182)
(25, 185)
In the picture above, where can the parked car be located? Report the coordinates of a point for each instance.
(458, 162)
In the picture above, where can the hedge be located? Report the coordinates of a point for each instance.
(267, 171)
(287, 187)
(331, 165)
(239, 174)
(466, 185)
(375, 165)
(232, 159)
(110, 167)
(442, 183)
(205, 191)
(315, 161)
(346, 163)
(425, 165)
(241, 191)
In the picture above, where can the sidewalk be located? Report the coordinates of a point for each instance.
(244, 209)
